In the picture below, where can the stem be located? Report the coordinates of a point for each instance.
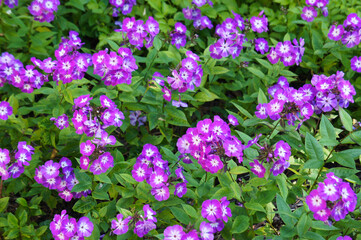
(151, 63)
(274, 128)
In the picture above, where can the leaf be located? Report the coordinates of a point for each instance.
(254, 206)
(317, 42)
(303, 224)
(176, 117)
(282, 184)
(205, 96)
(284, 211)
(190, 210)
(237, 190)
(322, 226)
(256, 72)
(3, 203)
(13, 221)
(240, 224)
(85, 181)
(113, 45)
(261, 97)
(314, 151)
(242, 110)
(180, 216)
(218, 70)
(326, 128)
(239, 170)
(345, 119)
(84, 205)
(126, 177)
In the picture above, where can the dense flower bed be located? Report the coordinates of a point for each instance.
(180, 120)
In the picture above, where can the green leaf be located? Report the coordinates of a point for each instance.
(256, 72)
(314, 152)
(3, 203)
(113, 45)
(236, 190)
(84, 205)
(317, 42)
(180, 216)
(239, 170)
(190, 210)
(126, 177)
(318, 225)
(218, 70)
(284, 211)
(85, 182)
(13, 221)
(205, 96)
(103, 178)
(240, 224)
(157, 43)
(303, 224)
(261, 97)
(254, 206)
(282, 184)
(326, 128)
(242, 110)
(345, 119)
(176, 117)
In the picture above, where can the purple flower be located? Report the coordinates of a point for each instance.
(322, 214)
(282, 150)
(336, 32)
(206, 231)
(233, 120)
(120, 225)
(87, 148)
(143, 227)
(355, 64)
(328, 190)
(259, 24)
(261, 45)
(148, 213)
(192, 235)
(4, 156)
(273, 56)
(315, 202)
(279, 167)
(173, 233)
(257, 168)
(180, 189)
(261, 111)
(308, 14)
(5, 110)
(160, 194)
(284, 49)
(61, 122)
(85, 227)
(344, 238)
(211, 210)
(167, 94)
(226, 211)
(140, 172)
(50, 169)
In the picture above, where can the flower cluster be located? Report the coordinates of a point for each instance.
(187, 75)
(142, 224)
(200, 22)
(348, 33)
(356, 64)
(231, 40)
(215, 211)
(70, 64)
(61, 122)
(63, 227)
(309, 12)
(125, 6)
(332, 199)
(12, 163)
(12, 71)
(43, 10)
(113, 68)
(211, 144)
(136, 31)
(50, 176)
(5, 110)
(325, 94)
(289, 52)
(92, 119)
(277, 155)
(151, 167)
(178, 36)
(344, 238)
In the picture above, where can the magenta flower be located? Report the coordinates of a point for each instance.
(322, 214)
(85, 227)
(211, 210)
(282, 150)
(148, 213)
(284, 49)
(257, 168)
(328, 190)
(87, 148)
(4, 156)
(140, 172)
(344, 238)
(261, 45)
(206, 231)
(356, 64)
(160, 194)
(173, 232)
(336, 32)
(158, 178)
(50, 169)
(167, 94)
(259, 24)
(120, 225)
(308, 14)
(315, 202)
(5, 110)
(180, 189)
(61, 122)
(273, 56)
